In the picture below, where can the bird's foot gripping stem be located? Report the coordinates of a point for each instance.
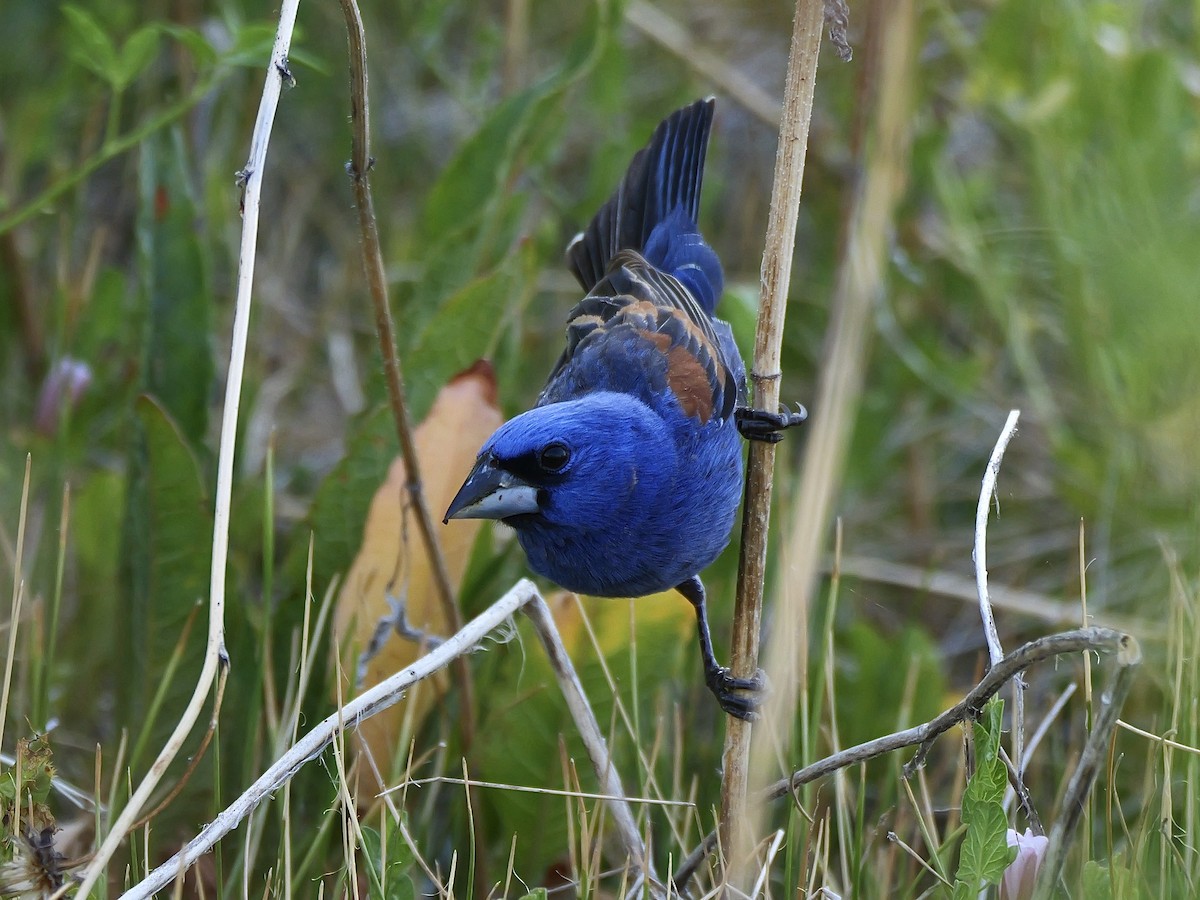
(761, 425)
(740, 697)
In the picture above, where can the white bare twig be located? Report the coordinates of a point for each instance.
(986, 492)
(383, 695)
(215, 655)
(589, 729)
(995, 651)
(387, 693)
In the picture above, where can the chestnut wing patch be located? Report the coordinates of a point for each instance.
(635, 296)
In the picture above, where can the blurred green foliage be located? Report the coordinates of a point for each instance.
(1044, 257)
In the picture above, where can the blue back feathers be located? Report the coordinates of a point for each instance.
(654, 211)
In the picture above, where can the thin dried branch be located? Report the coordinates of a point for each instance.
(986, 493)
(593, 738)
(215, 656)
(383, 695)
(523, 595)
(765, 376)
(360, 168)
(1104, 640)
(1070, 808)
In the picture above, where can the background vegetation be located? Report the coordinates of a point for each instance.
(1044, 257)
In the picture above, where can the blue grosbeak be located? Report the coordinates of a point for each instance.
(624, 479)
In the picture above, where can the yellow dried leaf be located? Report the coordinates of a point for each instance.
(392, 558)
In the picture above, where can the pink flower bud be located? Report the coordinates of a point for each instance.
(64, 384)
(1021, 875)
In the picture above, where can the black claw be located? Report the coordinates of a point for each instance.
(760, 425)
(739, 697)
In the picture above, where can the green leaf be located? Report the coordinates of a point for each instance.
(340, 506)
(454, 260)
(1114, 881)
(90, 46)
(482, 167)
(389, 879)
(870, 686)
(537, 894)
(252, 45)
(201, 49)
(985, 851)
(466, 327)
(139, 51)
(167, 535)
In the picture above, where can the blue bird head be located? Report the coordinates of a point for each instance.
(573, 479)
(565, 463)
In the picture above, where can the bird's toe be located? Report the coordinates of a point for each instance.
(739, 697)
(761, 425)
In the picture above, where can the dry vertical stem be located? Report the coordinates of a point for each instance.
(765, 376)
(215, 657)
(360, 167)
(1072, 806)
(860, 279)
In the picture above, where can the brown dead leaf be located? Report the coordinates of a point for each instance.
(392, 559)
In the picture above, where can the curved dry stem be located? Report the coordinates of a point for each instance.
(215, 656)
(359, 168)
(1105, 640)
(986, 492)
(383, 695)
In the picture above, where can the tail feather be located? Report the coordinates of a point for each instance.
(655, 208)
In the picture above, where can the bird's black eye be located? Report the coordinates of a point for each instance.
(554, 457)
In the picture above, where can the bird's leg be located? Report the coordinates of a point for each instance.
(739, 697)
(760, 425)
(405, 629)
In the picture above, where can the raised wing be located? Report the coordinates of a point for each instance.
(640, 331)
(662, 178)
